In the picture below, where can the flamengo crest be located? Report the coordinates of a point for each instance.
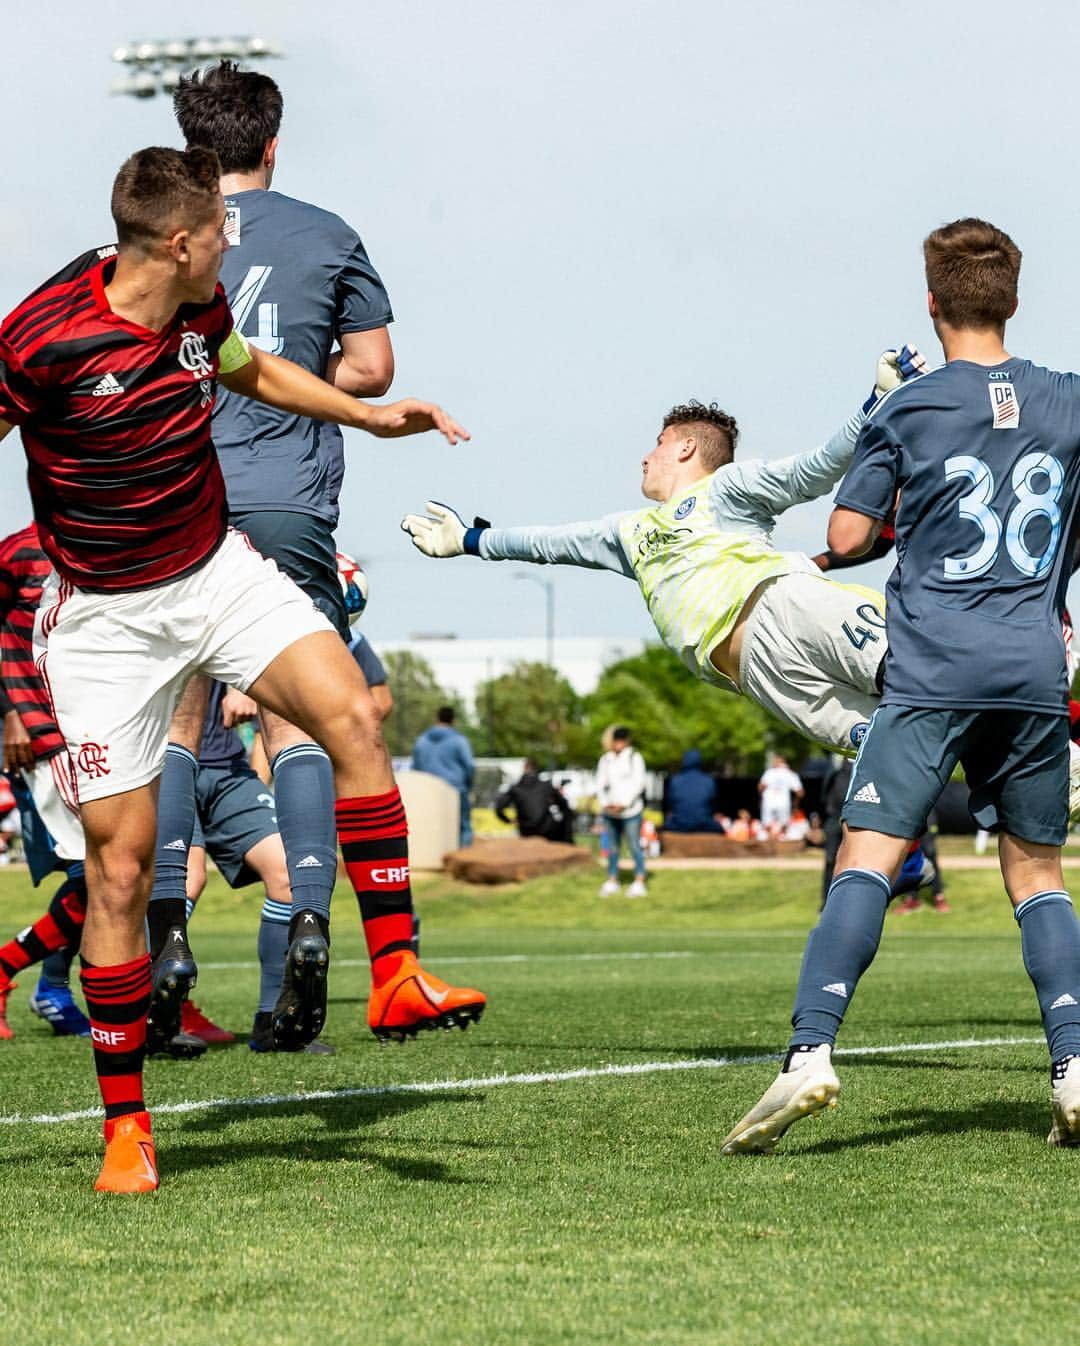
(193, 355)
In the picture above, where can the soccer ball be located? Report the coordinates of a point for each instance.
(354, 588)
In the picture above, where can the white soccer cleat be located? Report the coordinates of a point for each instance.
(609, 888)
(1066, 1127)
(637, 889)
(807, 1088)
(1074, 782)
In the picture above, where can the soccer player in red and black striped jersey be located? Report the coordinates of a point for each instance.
(109, 370)
(35, 751)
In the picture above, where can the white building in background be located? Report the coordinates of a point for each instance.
(461, 665)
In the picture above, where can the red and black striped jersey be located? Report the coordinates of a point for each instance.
(23, 570)
(115, 421)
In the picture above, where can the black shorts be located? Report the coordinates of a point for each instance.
(1016, 763)
(303, 548)
(234, 812)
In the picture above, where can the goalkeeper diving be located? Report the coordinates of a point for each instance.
(738, 612)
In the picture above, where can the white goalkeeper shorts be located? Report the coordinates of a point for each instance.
(115, 664)
(811, 653)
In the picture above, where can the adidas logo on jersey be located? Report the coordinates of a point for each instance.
(868, 794)
(309, 862)
(108, 386)
(836, 988)
(1062, 1001)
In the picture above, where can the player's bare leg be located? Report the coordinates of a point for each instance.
(173, 970)
(315, 684)
(120, 833)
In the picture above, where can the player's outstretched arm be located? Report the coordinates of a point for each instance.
(282, 384)
(596, 545)
(772, 486)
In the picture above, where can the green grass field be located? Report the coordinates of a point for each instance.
(927, 1208)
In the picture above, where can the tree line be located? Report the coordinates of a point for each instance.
(532, 711)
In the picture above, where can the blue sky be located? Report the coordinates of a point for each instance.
(587, 212)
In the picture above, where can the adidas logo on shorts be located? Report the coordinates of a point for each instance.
(177, 845)
(867, 795)
(1062, 1001)
(309, 862)
(836, 988)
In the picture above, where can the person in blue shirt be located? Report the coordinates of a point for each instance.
(984, 454)
(690, 797)
(444, 751)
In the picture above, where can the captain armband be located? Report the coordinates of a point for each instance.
(234, 353)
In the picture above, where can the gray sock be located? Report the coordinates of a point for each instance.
(304, 793)
(273, 946)
(838, 952)
(1050, 941)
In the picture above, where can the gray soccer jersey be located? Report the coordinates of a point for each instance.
(296, 277)
(987, 461)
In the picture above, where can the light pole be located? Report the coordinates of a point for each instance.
(549, 589)
(156, 67)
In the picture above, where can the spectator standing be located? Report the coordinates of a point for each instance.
(690, 800)
(620, 792)
(541, 809)
(777, 786)
(445, 752)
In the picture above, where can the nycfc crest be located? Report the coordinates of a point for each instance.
(686, 507)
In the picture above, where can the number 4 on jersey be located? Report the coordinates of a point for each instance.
(245, 301)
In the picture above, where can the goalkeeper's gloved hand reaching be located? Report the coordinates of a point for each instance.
(442, 531)
(893, 368)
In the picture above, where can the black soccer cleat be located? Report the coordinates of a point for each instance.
(300, 1012)
(172, 975)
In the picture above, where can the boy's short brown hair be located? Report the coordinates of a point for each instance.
(158, 191)
(972, 270)
(716, 431)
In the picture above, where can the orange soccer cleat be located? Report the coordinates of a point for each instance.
(195, 1022)
(6, 988)
(130, 1161)
(409, 999)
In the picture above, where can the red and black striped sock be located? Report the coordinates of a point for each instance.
(117, 999)
(374, 837)
(59, 928)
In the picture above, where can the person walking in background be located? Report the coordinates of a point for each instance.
(620, 792)
(445, 752)
(690, 798)
(541, 810)
(777, 786)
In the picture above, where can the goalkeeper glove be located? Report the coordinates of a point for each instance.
(442, 531)
(893, 368)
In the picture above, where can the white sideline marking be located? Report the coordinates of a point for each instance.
(501, 1081)
(495, 958)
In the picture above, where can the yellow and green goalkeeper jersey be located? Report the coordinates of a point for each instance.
(700, 555)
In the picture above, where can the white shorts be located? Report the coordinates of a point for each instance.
(811, 653)
(52, 785)
(115, 664)
(776, 811)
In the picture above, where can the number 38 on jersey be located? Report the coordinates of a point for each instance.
(1037, 481)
